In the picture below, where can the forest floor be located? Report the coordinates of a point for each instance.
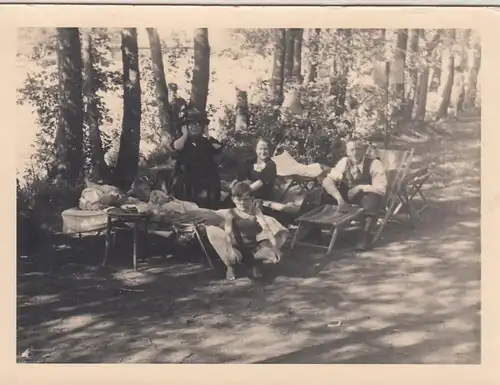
(413, 299)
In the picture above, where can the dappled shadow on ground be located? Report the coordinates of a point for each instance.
(414, 299)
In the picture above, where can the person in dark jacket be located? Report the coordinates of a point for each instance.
(261, 173)
(177, 105)
(196, 176)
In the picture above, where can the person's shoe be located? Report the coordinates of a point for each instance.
(230, 275)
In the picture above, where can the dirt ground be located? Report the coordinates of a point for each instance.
(414, 299)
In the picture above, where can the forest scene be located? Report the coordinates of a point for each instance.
(105, 106)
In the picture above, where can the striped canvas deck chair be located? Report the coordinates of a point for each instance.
(397, 165)
(404, 183)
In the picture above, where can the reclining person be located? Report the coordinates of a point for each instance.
(360, 180)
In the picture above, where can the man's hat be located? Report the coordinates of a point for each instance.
(172, 86)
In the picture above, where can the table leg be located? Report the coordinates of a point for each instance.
(333, 239)
(136, 236)
(108, 243)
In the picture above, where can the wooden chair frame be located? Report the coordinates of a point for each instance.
(401, 190)
(339, 224)
(195, 228)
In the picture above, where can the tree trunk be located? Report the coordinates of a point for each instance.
(458, 93)
(98, 168)
(201, 70)
(424, 77)
(297, 55)
(313, 56)
(400, 56)
(471, 89)
(448, 76)
(69, 134)
(435, 73)
(413, 73)
(242, 112)
(289, 55)
(128, 156)
(161, 90)
(278, 67)
(338, 83)
(422, 95)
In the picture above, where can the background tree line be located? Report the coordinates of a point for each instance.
(321, 85)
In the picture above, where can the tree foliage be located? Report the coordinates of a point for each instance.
(40, 91)
(338, 98)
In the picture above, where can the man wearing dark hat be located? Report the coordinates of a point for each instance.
(177, 104)
(196, 175)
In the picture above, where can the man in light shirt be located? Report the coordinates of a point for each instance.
(360, 180)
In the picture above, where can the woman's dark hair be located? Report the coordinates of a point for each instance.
(240, 189)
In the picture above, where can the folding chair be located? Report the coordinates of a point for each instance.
(397, 165)
(305, 182)
(326, 217)
(412, 186)
(403, 185)
(297, 174)
(195, 228)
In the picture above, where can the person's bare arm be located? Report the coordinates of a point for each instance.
(330, 186)
(179, 143)
(330, 183)
(256, 185)
(228, 228)
(334, 177)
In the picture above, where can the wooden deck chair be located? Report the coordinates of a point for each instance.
(326, 217)
(412, 186)
(397, 165)
(196, 228)
(293, 173)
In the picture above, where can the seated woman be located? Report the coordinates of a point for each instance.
(248, 236)
(196, 176)
(262, 173)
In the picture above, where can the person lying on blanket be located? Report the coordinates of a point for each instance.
(360, 180)
(248, 237)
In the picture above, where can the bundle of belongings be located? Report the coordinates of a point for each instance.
(96, 199)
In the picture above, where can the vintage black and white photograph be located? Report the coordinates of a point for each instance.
(248, 195)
